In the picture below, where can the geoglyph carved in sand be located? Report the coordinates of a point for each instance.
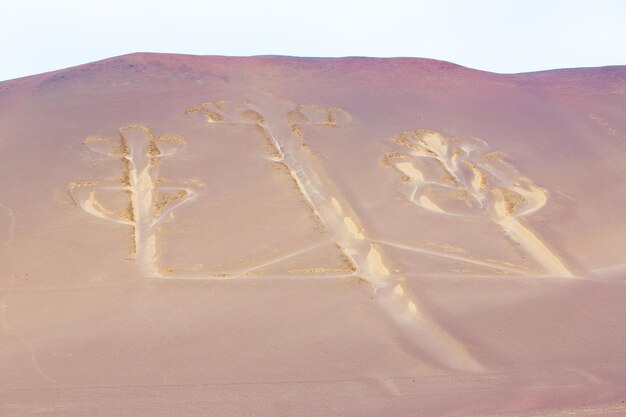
(463, 178)
(446, 176)
(364, 257)
(139, 198)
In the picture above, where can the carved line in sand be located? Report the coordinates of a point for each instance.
(148, 200)
(455, 177)
(365, 257)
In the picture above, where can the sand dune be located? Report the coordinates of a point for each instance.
(279, 236)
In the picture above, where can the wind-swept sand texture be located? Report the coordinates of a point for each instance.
(316, 237)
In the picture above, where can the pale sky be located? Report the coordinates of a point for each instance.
(501, 36)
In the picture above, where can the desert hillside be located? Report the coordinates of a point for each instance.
(337, 237)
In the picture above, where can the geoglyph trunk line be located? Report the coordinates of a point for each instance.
(534, 246)
(141, 186)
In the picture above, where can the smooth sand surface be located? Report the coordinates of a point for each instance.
(270, 236)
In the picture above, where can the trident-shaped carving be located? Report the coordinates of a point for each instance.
(144, 198)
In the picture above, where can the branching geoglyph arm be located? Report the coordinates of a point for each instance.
(455, 177)
(146, 202)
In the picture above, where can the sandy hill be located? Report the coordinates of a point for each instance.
(203, 235)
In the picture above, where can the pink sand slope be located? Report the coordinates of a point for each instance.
(273, 236)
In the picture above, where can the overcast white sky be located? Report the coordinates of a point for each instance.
(501, 36)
